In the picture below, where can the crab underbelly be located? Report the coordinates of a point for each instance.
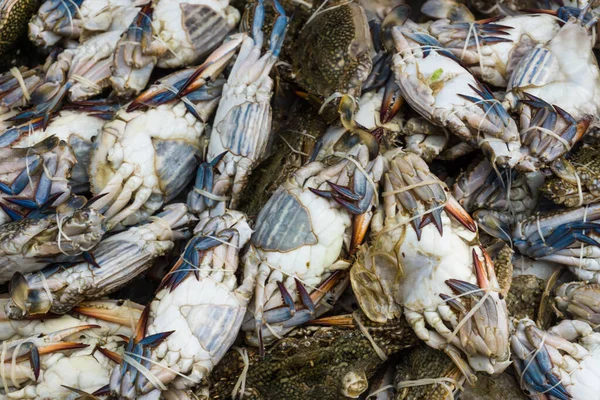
(205, 317)
(428, 263)
(311, 241)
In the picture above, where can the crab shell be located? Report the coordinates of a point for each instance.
(415, 262)
(334, 51)
(439, 88)
(189, 29)
(145, 158)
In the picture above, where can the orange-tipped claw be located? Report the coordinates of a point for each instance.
(458, 212)
(116, 357)
(392, 101)
(334, 279)
(481, 270)
(120, 315)
(359, 230)
(54, 347)
(214, 64)
(140, 329)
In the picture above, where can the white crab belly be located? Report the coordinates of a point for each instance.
(205, 317)
(428, 263)
(309, 261)
(190, 28)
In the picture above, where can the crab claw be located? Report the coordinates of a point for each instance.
(202, 195)
(213, 66)
(392, 101)
(110, 311)
(457, 211)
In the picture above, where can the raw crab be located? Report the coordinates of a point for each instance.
(51, 365)
(57, 19)
(301, 232)
(118, 259)
(579, 300)
(334, 51)
(146, 156)
(189, 29)
(77, 124)
(34, 177)
(32, 243)
(14, 15)
(568, 237)
(561, 363)
(200, 301)
(114, 317)
(556, 90)
(327, 362)
(435, 83)
(425, 248)
(241, 130)
(493, 48)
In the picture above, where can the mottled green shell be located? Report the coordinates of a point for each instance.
(311, 365)
(586, 162)
(333, 51)
(14, 16)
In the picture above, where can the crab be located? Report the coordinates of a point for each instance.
(57, 364)
(556, 91)
(334, 51)
(205, 273)
(317, 361)
(117, 260)
(579, 300)
(493, 48)
(190, 29)
(34, 177)
(77, 125)
(146, 155)
(77, 74)
(577, 180)
(424, 139)
(28, 245)
(113, 317)
(12, 94)
(559, 363)
(317, 205)
(242, 127)
(568, 237)
(425, 248)
(80, 19)
(435, 83)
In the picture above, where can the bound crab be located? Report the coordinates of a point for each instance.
(425, 261)
(34, 177)
(568, 237)
(117, 260)
(147, 154)
(560, 363)
(302, 232)
(203, 330)
(579, 300)
(31, 243)
(493, 48)
(555, 89)
(58, 20)
(242, 125)
(77, 125)
(334, 51)
(114, 317)
(437, 85)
